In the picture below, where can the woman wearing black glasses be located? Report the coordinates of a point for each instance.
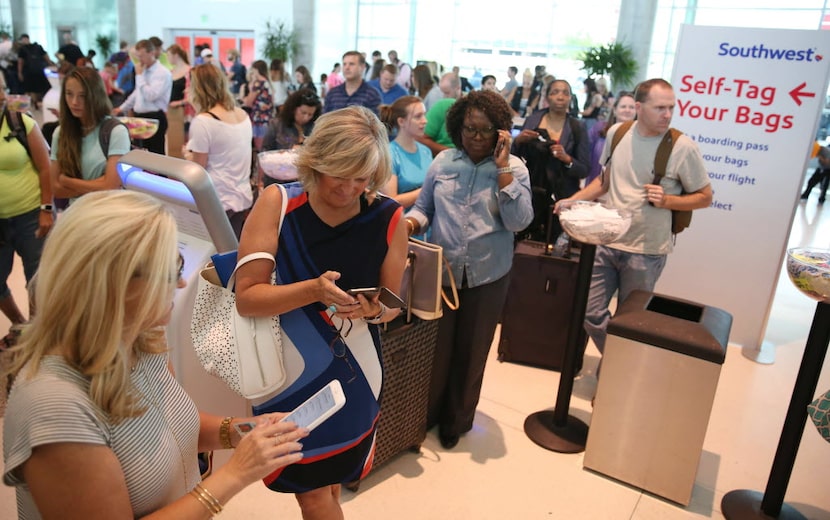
(338, 234)
(473, 199)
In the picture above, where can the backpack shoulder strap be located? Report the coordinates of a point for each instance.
(661, 158)
(618, 135)
(107, 126)
(18, 129)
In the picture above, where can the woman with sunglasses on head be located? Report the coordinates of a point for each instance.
(339, 234)
(290, 128)
(558, 151)
(96, 425)
(473, 199)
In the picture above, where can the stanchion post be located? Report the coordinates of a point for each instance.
(744, 504)
(558, 430)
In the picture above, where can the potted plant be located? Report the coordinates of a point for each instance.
(280, 42)
(104, 43)
(614, 59)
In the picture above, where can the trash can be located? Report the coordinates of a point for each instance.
(660, 370)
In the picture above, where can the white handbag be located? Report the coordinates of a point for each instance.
(246, 353)
(421, 286)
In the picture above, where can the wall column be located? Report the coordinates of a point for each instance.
(635, 28)
(304, 18)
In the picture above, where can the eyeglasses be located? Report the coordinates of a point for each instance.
(339, 349)
(470, 131)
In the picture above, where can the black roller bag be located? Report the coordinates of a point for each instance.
(539, 306)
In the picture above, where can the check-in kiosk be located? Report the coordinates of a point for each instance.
(187, 190)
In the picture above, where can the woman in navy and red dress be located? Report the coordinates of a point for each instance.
(338, 234)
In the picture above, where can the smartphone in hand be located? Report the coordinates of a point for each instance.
(499, 146)
(387, 297)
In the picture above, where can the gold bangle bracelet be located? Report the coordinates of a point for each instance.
(225, 433)
(202, 500)
(207, 499)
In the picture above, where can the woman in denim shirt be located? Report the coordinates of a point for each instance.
(473, 199)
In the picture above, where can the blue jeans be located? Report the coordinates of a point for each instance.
(17, 234)
(617, 270)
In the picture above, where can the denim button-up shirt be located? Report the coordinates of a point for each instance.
(470, 217)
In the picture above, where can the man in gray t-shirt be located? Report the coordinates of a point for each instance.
(511, 83)
(636, 260)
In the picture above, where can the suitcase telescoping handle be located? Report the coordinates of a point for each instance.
(549, 229)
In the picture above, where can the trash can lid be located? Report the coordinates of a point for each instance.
(678, 325)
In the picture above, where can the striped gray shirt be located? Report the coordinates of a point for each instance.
(157, 450)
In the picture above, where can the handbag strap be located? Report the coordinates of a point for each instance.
(452, 305)
(261, 255)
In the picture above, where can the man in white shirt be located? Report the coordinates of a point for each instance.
(153, 83)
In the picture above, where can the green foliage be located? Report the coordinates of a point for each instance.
(104, 43)
(280, 42)
(614, 59)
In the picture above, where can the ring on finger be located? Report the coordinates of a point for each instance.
(277, 440)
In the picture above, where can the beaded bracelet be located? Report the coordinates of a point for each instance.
(225, 433)
(207, 499)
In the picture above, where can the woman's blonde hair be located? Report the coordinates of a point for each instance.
(209, 87)
(347, 143)
(105, 280)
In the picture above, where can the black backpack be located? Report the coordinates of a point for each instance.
(18, 131)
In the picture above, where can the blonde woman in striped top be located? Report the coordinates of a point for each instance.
(96, 425)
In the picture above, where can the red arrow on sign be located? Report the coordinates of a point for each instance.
(797, 93)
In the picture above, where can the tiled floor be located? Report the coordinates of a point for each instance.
(497, 473)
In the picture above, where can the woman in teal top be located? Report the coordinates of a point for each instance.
(79, 165)
(410, 159)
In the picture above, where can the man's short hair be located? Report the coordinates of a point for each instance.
(644, 88)
(361, 58)
(376, 54)
(147, 45)
(156, 41)
(390, 68)
(514, 69)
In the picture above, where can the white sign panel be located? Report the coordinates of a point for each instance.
(751, 99)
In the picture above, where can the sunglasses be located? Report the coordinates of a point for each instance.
(338, 346)
(310, 98)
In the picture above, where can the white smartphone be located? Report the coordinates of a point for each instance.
(316, 409)
(387, 297)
